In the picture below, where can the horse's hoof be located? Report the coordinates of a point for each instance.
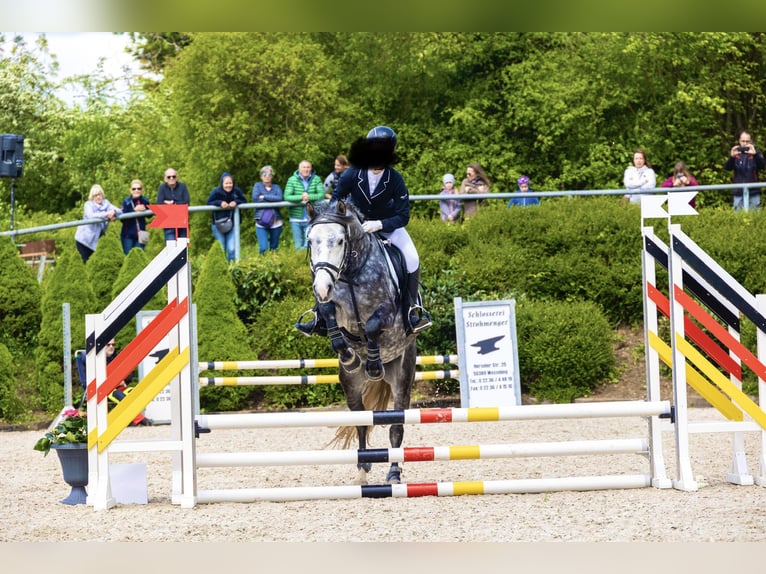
(393, 477)
(351, 364)
(375, 370)
(361, 477)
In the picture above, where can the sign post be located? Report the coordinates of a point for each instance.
(487, 351)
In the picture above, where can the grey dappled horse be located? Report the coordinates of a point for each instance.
(357, 295)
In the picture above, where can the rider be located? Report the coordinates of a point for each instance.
(379, 192)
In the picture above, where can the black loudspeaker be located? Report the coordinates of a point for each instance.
(11, 155)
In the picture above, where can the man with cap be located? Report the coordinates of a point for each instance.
(449, 208)
(523, 201)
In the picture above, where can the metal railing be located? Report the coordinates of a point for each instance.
(745, 187)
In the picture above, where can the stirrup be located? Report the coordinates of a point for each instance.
(307, 327)
(424, 319)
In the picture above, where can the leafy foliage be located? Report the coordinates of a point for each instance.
(223, 336)
(103, 266)
(65, 285)
(564, 349)
(19, 299)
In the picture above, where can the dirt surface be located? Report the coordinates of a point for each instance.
(32, 486)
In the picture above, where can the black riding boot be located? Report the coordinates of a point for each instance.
(315, 325)
(417, 316)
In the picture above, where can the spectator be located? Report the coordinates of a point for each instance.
(522, 201)
(640, 175)
(173, 192)
(228, 196)
(268, 226)
(476, 181)
(379, 192)
(450, 208)
(681, 178)
(132, 229)
(302, 186)
(331, 181)
(97, 207)
(121, 390)
(746, 161)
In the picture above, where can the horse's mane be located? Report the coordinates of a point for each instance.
(351, 217)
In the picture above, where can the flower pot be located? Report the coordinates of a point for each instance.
(74, 464)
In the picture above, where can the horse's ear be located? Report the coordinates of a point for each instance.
(311, 211)
(341, 207)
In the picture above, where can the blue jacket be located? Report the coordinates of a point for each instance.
(219, 194)
(523, 200)
(389, 202)
(130, 227)
(268, 196)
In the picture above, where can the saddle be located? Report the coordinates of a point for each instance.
(397, 269)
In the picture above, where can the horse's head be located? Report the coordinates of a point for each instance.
(333, 238)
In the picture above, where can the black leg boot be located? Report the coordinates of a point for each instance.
(316, 325)
(417, 316)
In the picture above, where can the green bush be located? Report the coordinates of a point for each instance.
(269, 277)
(103, 266)
(565, 349)
(221, 335)
(12, 399)
(19, 299)
(575, 249)
(65, 285)
(274, 337)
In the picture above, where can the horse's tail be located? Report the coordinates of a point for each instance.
(375, 397)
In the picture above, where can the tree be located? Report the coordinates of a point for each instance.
(19, 299)
(103, 266)
(223, 337)
(65, 285)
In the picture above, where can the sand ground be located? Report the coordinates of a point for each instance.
(718, 511)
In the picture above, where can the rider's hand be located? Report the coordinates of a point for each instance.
(372, 226)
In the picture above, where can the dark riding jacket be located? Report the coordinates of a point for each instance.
(389, 202)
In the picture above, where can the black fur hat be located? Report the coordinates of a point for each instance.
(375, 152)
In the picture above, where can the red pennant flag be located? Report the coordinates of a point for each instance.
(169, 216)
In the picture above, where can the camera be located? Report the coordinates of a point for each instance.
(679, 175)
(743, 148)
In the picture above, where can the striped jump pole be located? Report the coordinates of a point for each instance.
(308, 363)
(435, 415)
(310, 379)
(519, 486)
(423, 453)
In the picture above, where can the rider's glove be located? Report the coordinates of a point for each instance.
(372, 226)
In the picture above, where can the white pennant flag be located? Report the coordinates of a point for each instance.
(651, 206)
(678, 203)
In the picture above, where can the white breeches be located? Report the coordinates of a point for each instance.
(403, 241)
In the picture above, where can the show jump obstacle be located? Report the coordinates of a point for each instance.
(694, 281)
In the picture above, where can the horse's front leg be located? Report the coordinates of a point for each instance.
(372, 330)
(348, 359)
(363, 467)
(405, 376)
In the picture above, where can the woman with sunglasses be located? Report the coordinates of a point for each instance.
(131, 227)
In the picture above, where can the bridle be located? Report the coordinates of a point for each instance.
(349, 255)
(344, 272)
